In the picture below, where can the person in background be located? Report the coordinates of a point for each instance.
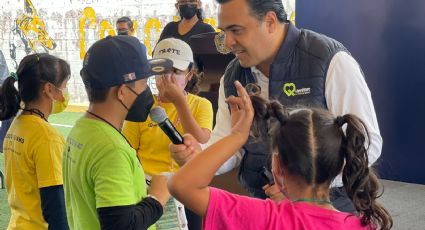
(304, 163)
(4, 125)
(190, 23)
(104, 182)
(124, 26)
(33, 148)
(188, 113)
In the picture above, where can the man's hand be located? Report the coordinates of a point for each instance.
(184, 152)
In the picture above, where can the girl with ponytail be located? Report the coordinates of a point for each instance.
(32, 147)
(309, 151)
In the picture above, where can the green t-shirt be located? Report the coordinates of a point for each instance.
(100, 169)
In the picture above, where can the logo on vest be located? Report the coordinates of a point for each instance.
(290, 89)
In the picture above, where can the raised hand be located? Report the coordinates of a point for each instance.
(169, 90)
(242, 111)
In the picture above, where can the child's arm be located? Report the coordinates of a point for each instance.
(172, 92)
(190, 184)
(190, 125)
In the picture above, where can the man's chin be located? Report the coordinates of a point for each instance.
(245, 64)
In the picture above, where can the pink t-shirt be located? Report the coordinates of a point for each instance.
(231, 211)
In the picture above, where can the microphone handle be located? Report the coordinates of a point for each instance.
(171, 132)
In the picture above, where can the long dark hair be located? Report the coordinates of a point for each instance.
(33, 72)
(312, 146)
(192, 86)
(200, 14)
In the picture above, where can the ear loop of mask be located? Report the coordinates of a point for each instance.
(135, 93)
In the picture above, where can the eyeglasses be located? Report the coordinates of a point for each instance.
(64, 90)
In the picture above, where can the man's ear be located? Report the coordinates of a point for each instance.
(271, 21)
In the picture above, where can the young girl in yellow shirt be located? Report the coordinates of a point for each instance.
(32, 147)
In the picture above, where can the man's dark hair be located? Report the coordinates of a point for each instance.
(126, 20)
(259, 8)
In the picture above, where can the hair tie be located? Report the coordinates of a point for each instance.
(340, 121)
(14, 76)
(274, 109)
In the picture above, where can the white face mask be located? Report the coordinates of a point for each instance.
(181, 80)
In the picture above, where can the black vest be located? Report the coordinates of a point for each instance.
(297, 79)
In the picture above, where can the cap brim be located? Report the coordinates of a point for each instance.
(180, 64)
(160, 66)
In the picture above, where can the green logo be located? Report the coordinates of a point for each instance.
(289, 89)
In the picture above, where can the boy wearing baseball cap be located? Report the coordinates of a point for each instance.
(104, 182)
(188, 113)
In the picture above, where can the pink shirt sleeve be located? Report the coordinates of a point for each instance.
(231, 211)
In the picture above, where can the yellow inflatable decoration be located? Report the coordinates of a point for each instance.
(88, 15)
(105, 26)
(156, 24)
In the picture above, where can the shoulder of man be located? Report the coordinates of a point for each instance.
(318, 44)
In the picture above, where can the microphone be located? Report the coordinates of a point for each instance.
(159, 116)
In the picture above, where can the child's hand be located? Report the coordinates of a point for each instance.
(158, 188)
(241, 111)
(273, 192)
(169, 89)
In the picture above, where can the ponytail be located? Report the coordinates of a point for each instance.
(9, 98)
(360, 181)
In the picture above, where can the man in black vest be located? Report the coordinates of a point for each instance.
(295, 66)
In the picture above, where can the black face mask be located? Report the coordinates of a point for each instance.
(187, 11)
(141, 107)
(123, 32)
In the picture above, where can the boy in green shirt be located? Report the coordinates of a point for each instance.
(104, 182)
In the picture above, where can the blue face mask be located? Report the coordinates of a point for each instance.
(141, 107)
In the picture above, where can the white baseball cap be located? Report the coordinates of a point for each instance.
(176, 50)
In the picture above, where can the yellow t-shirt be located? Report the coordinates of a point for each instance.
(152, 144)
(33, 160)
